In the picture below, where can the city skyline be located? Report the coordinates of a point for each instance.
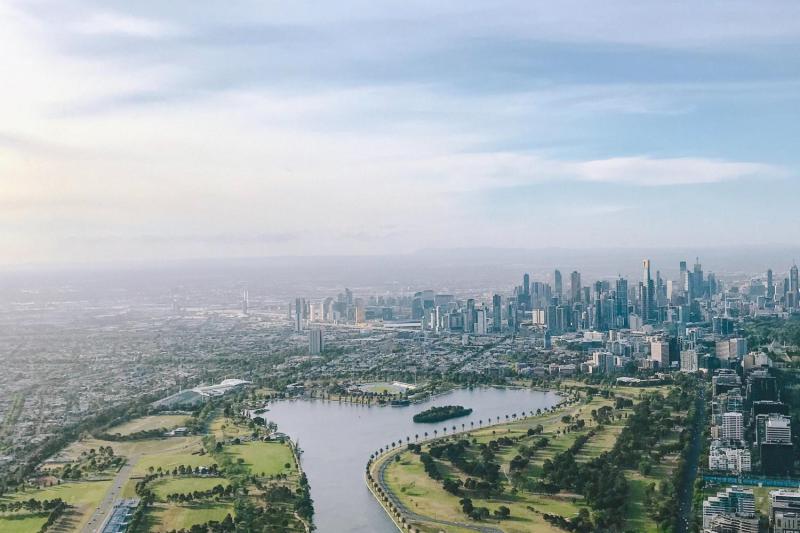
(152, 132)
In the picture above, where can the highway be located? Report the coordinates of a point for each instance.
(410, 515)
(104, 509)
(686, 490)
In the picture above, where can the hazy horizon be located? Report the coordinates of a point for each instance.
(150, 131)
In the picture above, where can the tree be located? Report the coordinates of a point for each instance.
(502, 512)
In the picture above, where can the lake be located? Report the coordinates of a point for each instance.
(337, 440)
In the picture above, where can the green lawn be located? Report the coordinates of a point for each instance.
(424, 496)
(169, 460)
(267, 458)
(83, 495)
(22, 522)
(224, 428)
(166, 486)
(147, 423)
(636, 515)
(164, 517)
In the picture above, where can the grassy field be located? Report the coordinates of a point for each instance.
(223, 428)
(133, 448)
(425, 496)
(263, 458)
(22, 522)
(84, 496)
(164, 517)
(148, 423)
(170, 459)
(166, 486)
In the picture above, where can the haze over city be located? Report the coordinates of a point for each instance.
(430, 267)
(145, 130)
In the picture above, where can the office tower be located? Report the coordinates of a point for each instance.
(761, 387)
(648, 293)
(497, 317)
(690, 362)
(621, 297)
(562, 318)
(469, 318)
(551, 319)
(659, 353)
(245, 301)
(794, 287)
(784, 502)
(697, 282)
(575, 286)
(513, 319)
(526, 290)
(360, 311)
(775, 444)
(770, 286)
(299, 313)
(684, 280)
(778, 429)
(480, 321)
(732, 500)
(558, 284)
(315, 341)
(732, 427)
(422, 300)
(327, 309)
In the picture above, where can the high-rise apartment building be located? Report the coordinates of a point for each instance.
(575, 286)
(497, 313)
(558, 284)
(732, 427)
(315, 341)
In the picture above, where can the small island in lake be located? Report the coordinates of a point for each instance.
(437, 414)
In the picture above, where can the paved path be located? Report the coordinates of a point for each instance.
(101, 513)
(381, 479)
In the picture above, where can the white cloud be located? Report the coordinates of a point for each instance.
(326, 164)
(653, 172)
(110, 23)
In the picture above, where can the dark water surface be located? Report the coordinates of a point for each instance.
(337, 440)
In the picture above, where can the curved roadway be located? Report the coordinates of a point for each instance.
(408, 514)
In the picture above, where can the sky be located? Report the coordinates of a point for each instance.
(153, 130)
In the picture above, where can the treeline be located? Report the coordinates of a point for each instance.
(602, 481)
(763, 330)
(219, 491)
(31, 505)
(438, 414)
(145, 434)
(57, 508)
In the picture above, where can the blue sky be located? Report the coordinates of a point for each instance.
(180, 129)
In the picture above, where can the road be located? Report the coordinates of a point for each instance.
(101, 513)
(686, 490)
(410, 515)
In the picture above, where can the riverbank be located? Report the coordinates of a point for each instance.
(405, 512)
(409, 488)
(336, 473)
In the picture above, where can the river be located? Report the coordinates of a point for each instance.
(338, 438)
